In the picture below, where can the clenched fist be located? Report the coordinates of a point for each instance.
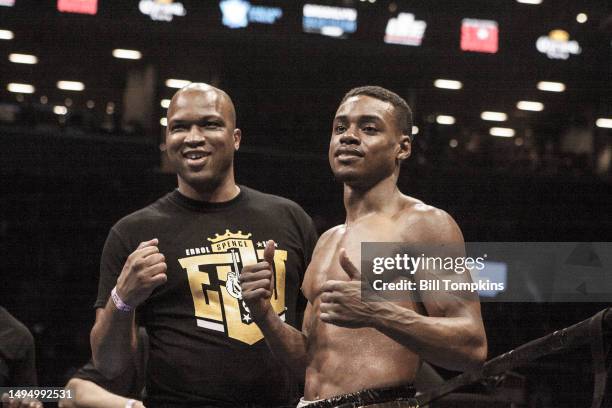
(144, 270)
(257, 284)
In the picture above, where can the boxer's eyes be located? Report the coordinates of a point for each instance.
(340, 129)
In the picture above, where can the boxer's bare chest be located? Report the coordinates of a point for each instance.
(325, 262)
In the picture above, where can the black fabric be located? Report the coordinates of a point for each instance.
(212, 354)
(17, 356)
(404, 393)
(131, 382)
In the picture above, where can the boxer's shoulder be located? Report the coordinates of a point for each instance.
(423, 222)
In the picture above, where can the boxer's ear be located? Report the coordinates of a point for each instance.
(405, 147)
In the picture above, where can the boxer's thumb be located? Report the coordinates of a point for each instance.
(269, 253)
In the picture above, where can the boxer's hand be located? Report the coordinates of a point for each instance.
(257, 284)
(143, 271)
(341, 302)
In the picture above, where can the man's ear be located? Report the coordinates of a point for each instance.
(237, 138)
(405, 150)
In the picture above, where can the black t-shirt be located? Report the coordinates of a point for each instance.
(205, 349)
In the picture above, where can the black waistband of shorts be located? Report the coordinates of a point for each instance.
(369, 396)
(238, 405)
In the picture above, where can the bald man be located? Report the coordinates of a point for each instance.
(173, 267)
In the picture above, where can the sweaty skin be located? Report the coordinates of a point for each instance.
(347, 344)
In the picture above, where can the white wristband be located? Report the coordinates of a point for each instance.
(120, 304)
(130, 403)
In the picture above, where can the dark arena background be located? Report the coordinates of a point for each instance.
(76, 157)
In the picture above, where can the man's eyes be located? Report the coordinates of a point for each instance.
(206, 125)
(364, 128)
(340, 129)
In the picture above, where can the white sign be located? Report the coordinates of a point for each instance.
(239, 13)
(557, 45)
(328, 20)
(161, 10)
(405, 30)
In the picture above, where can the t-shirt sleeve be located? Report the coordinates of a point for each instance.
(309, 241)
(114, 255)
(310, 238)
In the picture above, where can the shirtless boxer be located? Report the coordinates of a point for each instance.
(348, 345)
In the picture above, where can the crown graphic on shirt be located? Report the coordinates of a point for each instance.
(229, 235)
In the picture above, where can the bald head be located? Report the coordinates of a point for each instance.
(200, 90)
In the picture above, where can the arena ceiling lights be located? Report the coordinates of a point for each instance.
(582, 18)
(163, 122)
(71, 86)
(494, 116)
(23, 59)
(530, 106)
(445, 120)
(415, 130)
(501, 132)
(60, 110)
(604, 123)
(165, 103)
(21, 88)
(6, 35)
(529, 1)
(127, 54)
(177, 83)
(551, 86)
(448, 84)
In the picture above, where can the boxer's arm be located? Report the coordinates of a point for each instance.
(452, 334)
(87, 394)
(287, 343)
(456, 340)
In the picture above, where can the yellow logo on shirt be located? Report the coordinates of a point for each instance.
(213, 280)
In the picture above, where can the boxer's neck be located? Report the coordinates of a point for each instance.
(382, 197)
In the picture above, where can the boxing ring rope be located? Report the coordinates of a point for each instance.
(591, 331)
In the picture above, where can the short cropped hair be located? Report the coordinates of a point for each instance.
(403, 113)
